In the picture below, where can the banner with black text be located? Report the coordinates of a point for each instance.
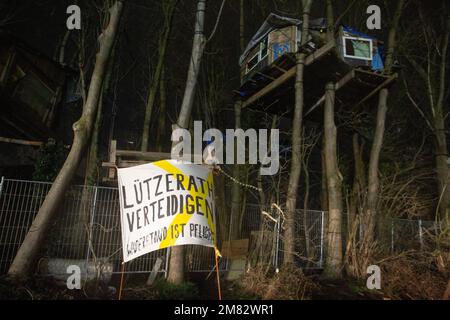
(164, 204)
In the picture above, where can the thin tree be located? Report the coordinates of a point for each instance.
(373, 180)
(333, 265)
(176, 262)
(295, 171)
(160, 133)
(168, 11)
(433, 76)
(28, 251)
(236, 192)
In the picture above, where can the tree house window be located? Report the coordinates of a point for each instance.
(252, 62)
(358, 48)
(258, 56)
(263, 48)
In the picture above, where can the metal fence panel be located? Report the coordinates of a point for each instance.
(88, 227)
(19, 203)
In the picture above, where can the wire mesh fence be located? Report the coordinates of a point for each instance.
(309, 236)
(19, 203)
(87, 228)
(413, 234)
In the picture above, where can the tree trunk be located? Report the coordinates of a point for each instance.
(442, 167)
(359, 181)
(235, 209)
(330, 20)
(294, 175)
(373, 179)
(160, 134)
(324, 188)
(333, 263)
(28, 251)
(176, 263)
(241, 26)
(236, 192)
(169, 8)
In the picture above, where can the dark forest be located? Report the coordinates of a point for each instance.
(323, 128)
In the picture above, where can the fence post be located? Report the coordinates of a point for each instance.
(321, 238)
(1, 185)
(91, 223)
(420, 234)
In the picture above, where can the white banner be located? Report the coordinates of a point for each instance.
(163, 204)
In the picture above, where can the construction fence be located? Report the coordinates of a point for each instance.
(87, 228)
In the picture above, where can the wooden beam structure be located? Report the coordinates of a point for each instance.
(146, 156)
(377, 89)
(22, 142)
(349, 76)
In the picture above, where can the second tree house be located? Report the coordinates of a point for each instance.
(353, 61)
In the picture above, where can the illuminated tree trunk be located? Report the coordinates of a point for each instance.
(373, 180)
(176, 262)
(294, 175)
(333, 263)
(236, 190)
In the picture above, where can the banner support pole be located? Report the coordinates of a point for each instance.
(121, 280)
(217, 272)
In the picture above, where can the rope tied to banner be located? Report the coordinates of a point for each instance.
(249, 186)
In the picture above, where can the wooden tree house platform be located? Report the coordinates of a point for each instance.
(272, 88)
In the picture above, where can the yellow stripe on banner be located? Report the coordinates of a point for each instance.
(182, 217)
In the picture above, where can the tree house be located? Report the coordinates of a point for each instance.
(31, 88)
(352, 61)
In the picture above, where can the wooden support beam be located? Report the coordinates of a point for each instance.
(112, 159)
(149, 156)
(349, 76)
(371, 73)
(374, 91)
(22, 142)
(289, 74)
(130, 163)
